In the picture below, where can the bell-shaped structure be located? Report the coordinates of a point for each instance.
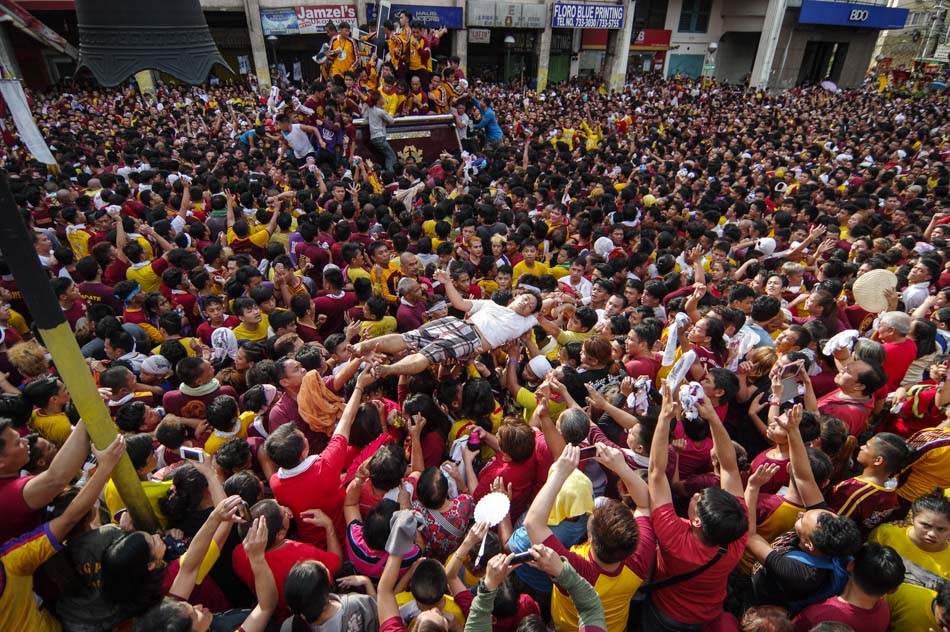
(118, 38)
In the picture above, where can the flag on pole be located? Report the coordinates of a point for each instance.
(13, 95)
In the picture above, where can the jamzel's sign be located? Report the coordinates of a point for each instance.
(305, 19)
(587, 16)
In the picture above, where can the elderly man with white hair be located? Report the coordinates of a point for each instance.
(411, 313)
(899, 350)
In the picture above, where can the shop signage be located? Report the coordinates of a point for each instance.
(432, 17)
(642, 39)
(587, 16)
(851, 14)
(305, 20)
(506, 15)
(479, 36)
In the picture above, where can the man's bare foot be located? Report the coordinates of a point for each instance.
(359, 349)
(382, 370)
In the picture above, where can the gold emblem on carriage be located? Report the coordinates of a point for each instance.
(410, 152)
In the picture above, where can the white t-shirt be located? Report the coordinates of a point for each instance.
(499, 324)
(298, 141)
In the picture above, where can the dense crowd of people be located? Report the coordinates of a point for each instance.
(612, 367)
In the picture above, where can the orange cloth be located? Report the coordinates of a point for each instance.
(319, 407)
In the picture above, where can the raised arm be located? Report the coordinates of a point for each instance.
(386, 605)
(756, 544)
(659, 484)
(353, 404)
(456, 299)
(44, 487)
(729, 478)
(86, 498)
(255, 543)
(612, 458)
(184, 582)
(230, 209)
(536, 520)
(808, 488)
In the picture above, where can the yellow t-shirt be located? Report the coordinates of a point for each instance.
(243, 333)
(520, 268)
(376, 328)
(18, 322)
(527, 400)
(53, 428)
(258, 238)
(145, 276)
(219, 438)
(19, 559)
(924, 572)
(185, 342)
(405, 599)
(154, 491)
(352, 274)
(778, 522)
(615, 592)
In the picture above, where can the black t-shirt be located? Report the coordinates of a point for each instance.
(784, 580)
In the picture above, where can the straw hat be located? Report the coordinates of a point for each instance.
(869, 290)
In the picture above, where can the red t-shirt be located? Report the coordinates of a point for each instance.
(521, 476)
(643, 366)
(852, 411)
(779, 480)
(877, 619)
(177, 403)
(314, 484)
(280, 561)
(898, 356)
(205, 329)
(18, 517)
(698, 600)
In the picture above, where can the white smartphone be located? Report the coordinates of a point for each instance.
(192, 454)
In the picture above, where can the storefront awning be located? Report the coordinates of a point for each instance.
(22, 19)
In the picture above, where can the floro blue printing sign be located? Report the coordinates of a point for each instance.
(587, 16)
(852, 14)
(432, 17)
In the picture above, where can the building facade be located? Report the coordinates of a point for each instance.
(772, 44)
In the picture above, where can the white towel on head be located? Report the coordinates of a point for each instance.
(224, 344)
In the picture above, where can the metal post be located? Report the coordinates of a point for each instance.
(61, 343)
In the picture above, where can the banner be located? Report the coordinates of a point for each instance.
(587, 16)
(305, 20)
(12, 92)
(244, 64)
(432, 17)
(850, 14)
(298, 71)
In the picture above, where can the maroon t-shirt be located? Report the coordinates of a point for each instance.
(877, 619)
(18, 517)
(333, 306)
(177, 403)
(93, 292)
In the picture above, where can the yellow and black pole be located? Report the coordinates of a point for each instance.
(59, 339)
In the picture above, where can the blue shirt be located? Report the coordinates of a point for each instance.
(488, 123)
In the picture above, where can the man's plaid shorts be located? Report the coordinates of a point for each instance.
(444, 339)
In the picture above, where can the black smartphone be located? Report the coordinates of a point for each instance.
(522, 558)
